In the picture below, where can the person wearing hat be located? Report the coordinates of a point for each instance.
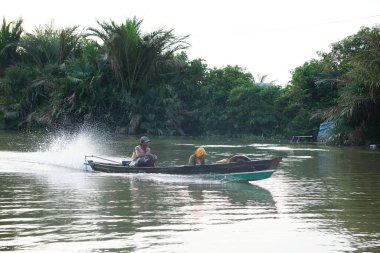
(141, 156)
(198, 157)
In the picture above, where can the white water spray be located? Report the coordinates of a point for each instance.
(61, 150)
(69, 150)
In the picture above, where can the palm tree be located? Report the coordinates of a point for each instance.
(135, 58)
(81, 92)
(47, 46)
(41, 67)
(261, 80)
(358, 105)
(137, 62)
(10, 35)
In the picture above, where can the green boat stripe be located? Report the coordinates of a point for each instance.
(252, 172)
(242, 176)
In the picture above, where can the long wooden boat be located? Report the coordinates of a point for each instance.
(232, 171)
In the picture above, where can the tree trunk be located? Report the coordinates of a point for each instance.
(134, 124)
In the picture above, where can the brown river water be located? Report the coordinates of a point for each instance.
(321, 199)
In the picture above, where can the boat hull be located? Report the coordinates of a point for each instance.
(236, 171)
(244, 176)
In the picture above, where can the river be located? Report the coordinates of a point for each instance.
(321, 199)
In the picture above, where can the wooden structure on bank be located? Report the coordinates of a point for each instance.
(301, 138)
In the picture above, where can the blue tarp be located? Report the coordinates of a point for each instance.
(325, 130)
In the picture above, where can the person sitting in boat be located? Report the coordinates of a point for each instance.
(198, 157)
(141, 156)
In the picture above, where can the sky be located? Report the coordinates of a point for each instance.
(265, 37)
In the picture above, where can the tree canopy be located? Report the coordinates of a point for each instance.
(135, 82)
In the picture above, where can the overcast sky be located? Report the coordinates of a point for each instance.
(267, 37)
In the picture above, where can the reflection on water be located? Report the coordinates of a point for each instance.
(320, 200)
(82, 208)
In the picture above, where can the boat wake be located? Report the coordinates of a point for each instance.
(61, 150)
(65, 152)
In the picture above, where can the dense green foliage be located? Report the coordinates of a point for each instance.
(135, 82)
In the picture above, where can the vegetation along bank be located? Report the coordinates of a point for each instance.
(134, 82)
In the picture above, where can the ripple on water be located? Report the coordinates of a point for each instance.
(317, 201)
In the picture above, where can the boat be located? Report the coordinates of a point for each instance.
(228, 170)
